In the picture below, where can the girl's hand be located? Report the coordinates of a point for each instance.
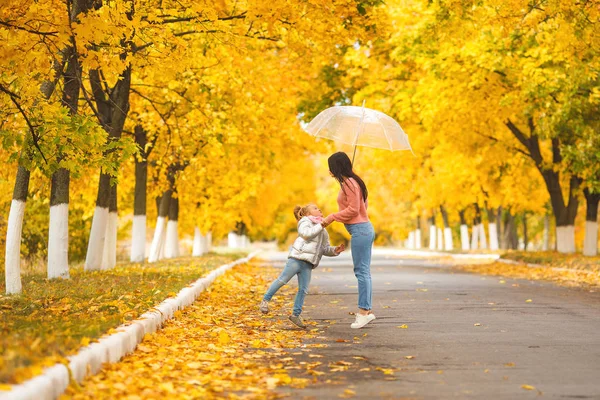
(340, 248)
(327, 221)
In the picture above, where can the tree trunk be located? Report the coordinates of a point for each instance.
(464, 231)
(590, 245)
(161, 222)
(525, 234)
(546, 238)
(109, 256)
(199, 247)
(112, 109)
(440, 239)
(499, 225)
(93, 258)
(448, 242)
(480, 228)
(564, 214)
(510, 231)
(58, 235)
(172, 238)
(492, 228)
(13, 232)
(138, 231)
(432, 232)
(418, 234)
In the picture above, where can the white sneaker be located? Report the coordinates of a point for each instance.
(264, 306)
(362, 320)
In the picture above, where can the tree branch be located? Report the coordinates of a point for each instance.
(34, 136)
(8, 25)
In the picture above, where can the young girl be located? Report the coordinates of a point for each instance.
(306, 252)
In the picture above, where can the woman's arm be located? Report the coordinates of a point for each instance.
(307, 230)
(354, 197)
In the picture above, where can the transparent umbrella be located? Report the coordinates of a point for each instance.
(359, 126)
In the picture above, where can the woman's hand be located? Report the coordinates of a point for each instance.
(340, 248)
(327, 221)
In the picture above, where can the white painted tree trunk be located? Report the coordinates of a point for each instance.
(448, 242)
(411, 240)
(432, 237)
(418, 239)
(590, 243)
(58, 242)
(93, 258)
(163, 240)
(482, 237)
(159, 232)
(474, 237)
(565, 239)
(138, 239)
(109, 255)
(494, 245)
(440, 239)
(199, 243)
(172, 240)
(464, 237)
(232, 240)
(13, 247)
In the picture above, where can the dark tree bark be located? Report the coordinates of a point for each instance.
(525, 234)
(564, 212)
(141, 172)
(444, 217)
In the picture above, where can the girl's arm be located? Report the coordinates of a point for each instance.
(307, 230)
(328, 249)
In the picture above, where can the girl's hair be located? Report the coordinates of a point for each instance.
(341, 168)
(300, 211)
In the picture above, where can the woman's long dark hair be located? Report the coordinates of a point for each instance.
(341, 168)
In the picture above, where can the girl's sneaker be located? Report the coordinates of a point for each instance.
(362, 320)
(264, 307)
(297, 320)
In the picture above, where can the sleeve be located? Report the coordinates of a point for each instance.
(354, 198)
(328, 250)
(307, 230)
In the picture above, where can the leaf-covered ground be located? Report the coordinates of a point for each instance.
(221, 346)
(555, 259)
(564, 275)
(52, 319)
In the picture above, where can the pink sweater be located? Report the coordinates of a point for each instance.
(353, 209)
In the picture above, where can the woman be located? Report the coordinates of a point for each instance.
(352, 201)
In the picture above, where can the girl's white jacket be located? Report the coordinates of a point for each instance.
(312, 243)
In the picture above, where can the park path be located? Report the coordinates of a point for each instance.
(443, 334)
(439, 334)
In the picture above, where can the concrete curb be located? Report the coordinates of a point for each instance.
(88, 361)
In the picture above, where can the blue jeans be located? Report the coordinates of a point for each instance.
(293, 267)
(361, 244)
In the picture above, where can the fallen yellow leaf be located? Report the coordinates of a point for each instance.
(528, 387)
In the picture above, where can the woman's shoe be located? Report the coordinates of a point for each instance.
(362, 320)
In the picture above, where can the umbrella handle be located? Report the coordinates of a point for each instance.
(358, 131)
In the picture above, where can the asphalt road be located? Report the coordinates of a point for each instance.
(464, 335)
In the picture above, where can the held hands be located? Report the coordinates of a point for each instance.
(340, 248)
(327, 221)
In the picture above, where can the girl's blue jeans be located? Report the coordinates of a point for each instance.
(293, 267)
(361, 244)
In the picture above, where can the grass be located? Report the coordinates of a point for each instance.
(52, 319)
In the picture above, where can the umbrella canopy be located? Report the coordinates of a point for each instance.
(359, 126)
